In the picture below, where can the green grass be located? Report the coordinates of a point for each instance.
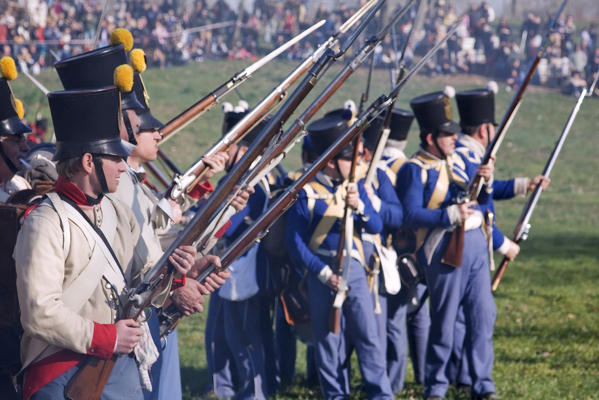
(547, 331)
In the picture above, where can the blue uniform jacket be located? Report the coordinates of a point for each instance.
(301, 223)
(415, 194)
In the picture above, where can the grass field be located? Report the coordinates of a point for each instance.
(547, 331)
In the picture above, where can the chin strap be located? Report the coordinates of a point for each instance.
(234, 160)
(129, 127)
(443, 155)
(7, 160)
(101, 177)
(340, 179)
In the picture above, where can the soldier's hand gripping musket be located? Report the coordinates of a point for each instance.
(453, 252)
(523, 226)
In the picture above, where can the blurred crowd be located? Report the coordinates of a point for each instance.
(176, 32)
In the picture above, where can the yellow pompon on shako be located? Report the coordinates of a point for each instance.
(123, 78)
(19, 108)
(8, 68)
(138, 60)
(122, 36)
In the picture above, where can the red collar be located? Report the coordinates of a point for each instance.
(72, 191)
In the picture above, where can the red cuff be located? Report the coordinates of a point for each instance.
(201, 189)
(178, 282)
(222, 230)
(103, 341)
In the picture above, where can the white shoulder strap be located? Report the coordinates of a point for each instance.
(64, 223)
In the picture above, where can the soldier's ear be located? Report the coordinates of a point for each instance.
(430, 139)
(87, 162)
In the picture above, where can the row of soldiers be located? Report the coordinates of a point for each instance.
(403, 217)
(101, 229)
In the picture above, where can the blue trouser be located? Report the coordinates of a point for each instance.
(265, 313)
(243, 334)
(470, 287)
(381, 318)
(458, 369)
(165, 373)
(397, 342)
(358, 326)
(418, 328)
(123, 383)
(219, 359)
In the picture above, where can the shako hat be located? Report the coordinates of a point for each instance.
(86, 121)
(148, 122)
(95, 69)
(252, 135)
(325, 131)
(477, 107)
(10, 122)
(401, 120)
(233, 115)
(433, 113)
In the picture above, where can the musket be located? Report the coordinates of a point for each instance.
(204, 104)
(453, 253)
(346, 244)
(185, 182)
(90, 379)
(99, 28)
(170, 316)
(523, 225)
(288, 139)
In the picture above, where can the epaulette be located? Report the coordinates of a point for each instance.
(468, 154)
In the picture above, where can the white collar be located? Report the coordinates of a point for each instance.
(473, 145)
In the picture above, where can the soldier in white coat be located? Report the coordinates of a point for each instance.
(74, 256)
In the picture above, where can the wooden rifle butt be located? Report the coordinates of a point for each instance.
(89, 381)
(499, 274)
(335, 320)
(455, 248)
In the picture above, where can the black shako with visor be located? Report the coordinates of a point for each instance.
(86, 121)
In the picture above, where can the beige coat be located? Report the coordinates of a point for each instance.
(44, 271)
(149, 217)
